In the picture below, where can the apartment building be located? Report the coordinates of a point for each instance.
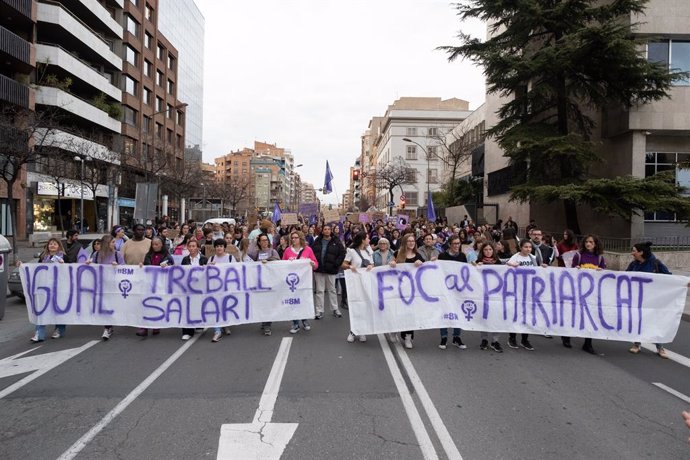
(410, 134)
(308, 193)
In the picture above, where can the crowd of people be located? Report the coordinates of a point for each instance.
(332, 248)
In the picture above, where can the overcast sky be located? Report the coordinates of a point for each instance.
(308, 75)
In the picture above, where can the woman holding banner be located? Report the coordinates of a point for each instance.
(299, 250)
(158, 255)
(195, 258)
(407, 254)
(645, 261)
(53, 253)
(453, 254)
(489, 256)
(359, 255)
(384, 254)
(590, 256)
(220, 257)
(107, 255)
(567, 245)
(524, 258)
(263, 252)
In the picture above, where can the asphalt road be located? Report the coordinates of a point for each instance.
(550, 403)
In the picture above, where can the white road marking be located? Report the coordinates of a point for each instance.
(39, 363)
(260, 439)
(78, 446)
(435, 418)
(420, 432)
(675, 393)
(673, 356)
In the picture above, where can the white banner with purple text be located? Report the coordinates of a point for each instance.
(603, 304)
(174, 296)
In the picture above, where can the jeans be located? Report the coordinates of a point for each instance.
(485, 336)
(456, 332)
(658, 345)
(513, 336)
(41, 331)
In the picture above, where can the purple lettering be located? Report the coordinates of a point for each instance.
(59, 310)
(624, 297)
(418, 279)
(176, 274)
(151, 303)
(213, 274)
(510, 275)
(382, 288)
(582, 295)
(564, 296)
(407, 275)
(640, 297)
(230, 302)
(175, 301)
(32, 288)
(212, 312)
(155, 271)
(87, 283)
(232, 277)
(600, 307)
(538, 288)
(192, 280)
(486, 273)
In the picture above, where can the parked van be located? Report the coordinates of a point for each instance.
(220, 220)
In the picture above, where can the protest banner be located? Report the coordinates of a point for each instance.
(363, 218)
(331, 215)
(173, 233)
(174, 296)
(353, 217)
(378, 215)
(289, 218)
(401, 221)
(309, 209)
(629, 306)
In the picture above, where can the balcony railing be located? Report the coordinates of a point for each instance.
(23, 6)
(13, 92)
(15, 46)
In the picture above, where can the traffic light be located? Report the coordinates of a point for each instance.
(355, 175)
(403, 201)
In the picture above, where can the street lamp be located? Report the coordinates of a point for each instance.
(428, 171)
(81, 204)
(203, 201)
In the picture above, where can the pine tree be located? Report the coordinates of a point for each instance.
(556, 62)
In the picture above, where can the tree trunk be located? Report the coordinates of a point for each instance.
(571, 219)
(13, 216)
(390, 208)
(95, 214)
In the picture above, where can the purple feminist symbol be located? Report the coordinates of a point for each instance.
(125, 286)
(292, 280)
(469, 308)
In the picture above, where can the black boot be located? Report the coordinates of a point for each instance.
(566, 342)
(588, 347)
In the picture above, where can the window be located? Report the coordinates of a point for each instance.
(412, 198)
(180, 118)
(147, 96)
(129, 146)
(673, 54)
(160, 78)
(411, 131)
(161, 52)
(433, 176)
(180, 143)
(411, 175)
(148, 40)
(147, 124)
(171, 87)
(148, 68)
(433, 152)
(663, 161)
(148, 13)
(131, 55)
(131, 25)
(433, 131)
(170, 136)
(169, 111)
(159, 131)
(130, 85)
(411, 153)
(171, 62)
(159, 104)
(130, 116)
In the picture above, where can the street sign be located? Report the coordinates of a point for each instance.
(391, 204)
(402, 198)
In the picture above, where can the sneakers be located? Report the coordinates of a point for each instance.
(635, 349)
(350, 337)
(526, 345)
(141, 332)
(457, 341)
(444, 341)
(295, 329)
(107, 333)
(56, 335)
(484, 345)
(661, 351)
(408, 342)
(227, 330)
(363, 338)
(318, 316)
(35, 338)
(186, 337)
(337, 314)
(306, 325)
(547, 336)
(217, 336)
(495, 346)
(512, 343)
(267, 331)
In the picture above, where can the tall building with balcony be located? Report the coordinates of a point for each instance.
(411, 134)
(308, 193)
(76, 80)
(17, 65)
(183, 24)
(154, 118)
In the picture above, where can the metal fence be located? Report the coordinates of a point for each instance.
(613, 244)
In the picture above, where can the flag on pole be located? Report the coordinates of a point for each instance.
(276, 213)
(327, 187)
(430, 211)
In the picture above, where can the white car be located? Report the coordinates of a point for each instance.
(220, 220)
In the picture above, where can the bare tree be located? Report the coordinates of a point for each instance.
(393, 174)
(181, 178)
(24, 134)
(60, 167)
(235, 191)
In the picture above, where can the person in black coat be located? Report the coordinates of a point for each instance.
(330, 254)
(195, 257)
